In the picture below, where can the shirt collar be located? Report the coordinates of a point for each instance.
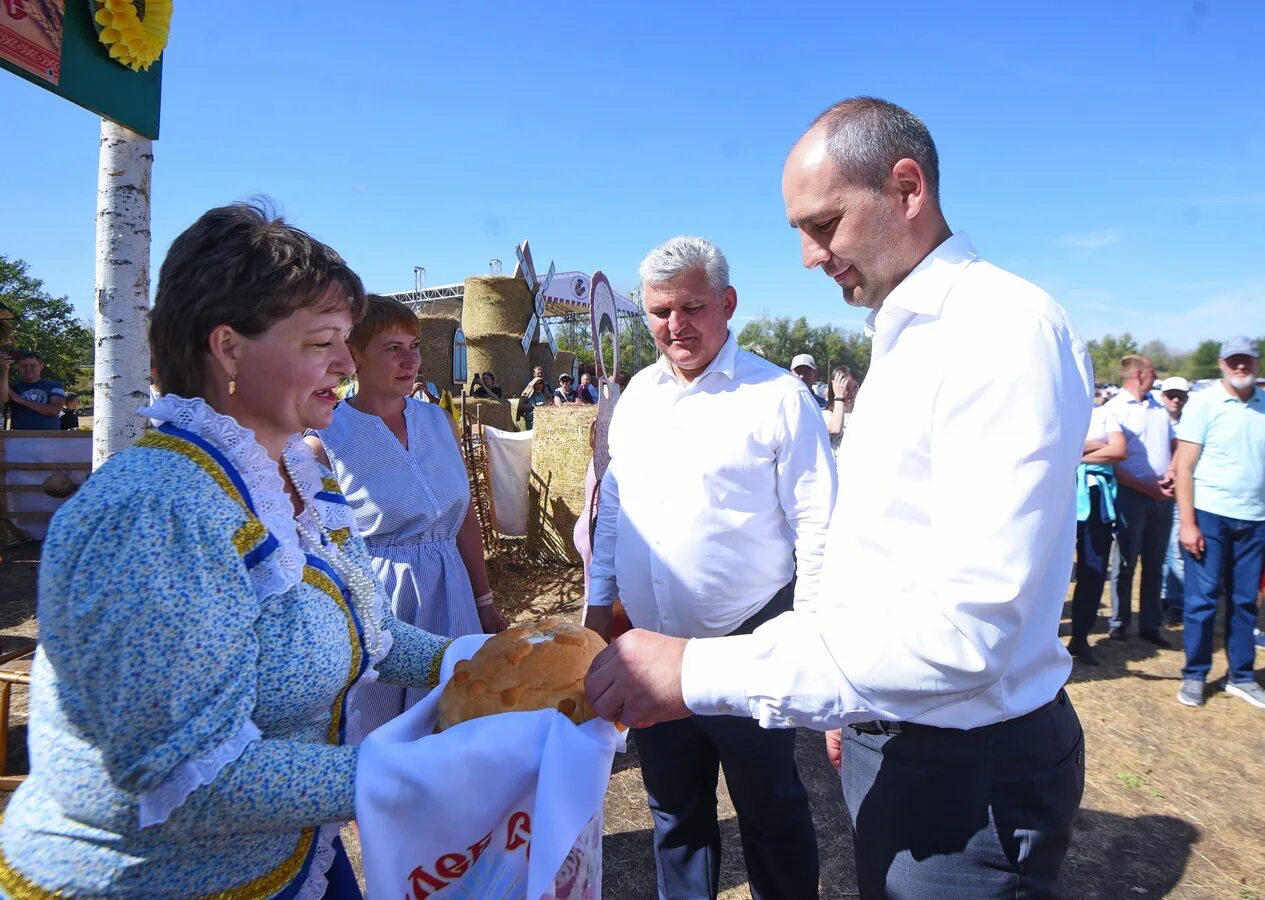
(923, 290)
(1258, 396)
(723, 362)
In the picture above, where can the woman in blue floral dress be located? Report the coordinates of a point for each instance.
(207, 610)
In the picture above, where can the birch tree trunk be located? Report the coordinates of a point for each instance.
(121, 373)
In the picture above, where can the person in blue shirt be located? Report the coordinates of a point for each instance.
(587, 392)
(35, 403)
(1220, 475)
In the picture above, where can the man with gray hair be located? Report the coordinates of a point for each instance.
(712, 520)
(932, 651)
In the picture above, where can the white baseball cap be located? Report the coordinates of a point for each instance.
(803, 359)
(1176, 383)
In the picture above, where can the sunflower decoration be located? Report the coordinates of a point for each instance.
(134, 31)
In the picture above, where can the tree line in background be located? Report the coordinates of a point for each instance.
(1192, 365)
(46, 324)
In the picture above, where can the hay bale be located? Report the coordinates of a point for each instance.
(501, 354)
(563, 362)
(436, 334)
(496, 304)
(485, 411)
(555, 490)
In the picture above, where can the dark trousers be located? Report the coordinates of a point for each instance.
(965, 814)
(1143, 525)
(680, 762)
(1093, 550)
(1233, 556)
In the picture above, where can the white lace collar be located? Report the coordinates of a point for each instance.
(283, 568)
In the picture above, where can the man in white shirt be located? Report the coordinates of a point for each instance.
(1144, 502)
(717, 496)
(934, 643)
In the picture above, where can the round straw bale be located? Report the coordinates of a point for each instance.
(563, 362)
(490, 411)
(496, 304)
(436, 334)
(560, 455)
(501, 354)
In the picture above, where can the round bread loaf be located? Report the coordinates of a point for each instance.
(537, 666)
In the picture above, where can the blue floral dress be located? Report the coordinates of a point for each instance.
(198, 652)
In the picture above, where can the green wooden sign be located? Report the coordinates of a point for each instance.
(87, 76)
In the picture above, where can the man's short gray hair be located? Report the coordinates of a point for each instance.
(866, 136)
(678, 256)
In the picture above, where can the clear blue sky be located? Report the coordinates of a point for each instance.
(1110, 152)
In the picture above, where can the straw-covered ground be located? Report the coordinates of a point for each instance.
(1174, 802)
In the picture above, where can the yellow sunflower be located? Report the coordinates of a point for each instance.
(134, 31)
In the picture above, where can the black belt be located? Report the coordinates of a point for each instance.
(918, 730)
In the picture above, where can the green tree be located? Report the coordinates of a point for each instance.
(1202, 363)
(1107, 353)
(44, 323)
(779, 339)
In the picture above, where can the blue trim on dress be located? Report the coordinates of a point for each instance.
(260, 553)
(229, 469)
(331, 498)
(291, 890)
(325, 569)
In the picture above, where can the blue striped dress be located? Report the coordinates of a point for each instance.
(409, 503)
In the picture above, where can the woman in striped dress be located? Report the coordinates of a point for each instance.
(399, 464)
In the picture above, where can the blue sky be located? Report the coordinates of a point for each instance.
(1109, 152)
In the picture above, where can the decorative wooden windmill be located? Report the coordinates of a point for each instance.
(527, 269)
(604, 317)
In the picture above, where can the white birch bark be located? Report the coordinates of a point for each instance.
(121, 372)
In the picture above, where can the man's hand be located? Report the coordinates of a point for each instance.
(834, 747)
(598, 618)
(1192, 540)
(637, 679)
(491, 620)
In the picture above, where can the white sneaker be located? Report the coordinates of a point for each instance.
(1250, 691)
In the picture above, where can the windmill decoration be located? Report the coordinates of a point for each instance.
(603, 316)
(527, 269)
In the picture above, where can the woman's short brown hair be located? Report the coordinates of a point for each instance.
(381, 314)
(241, 266)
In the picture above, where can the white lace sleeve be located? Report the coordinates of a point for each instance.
(160, 802)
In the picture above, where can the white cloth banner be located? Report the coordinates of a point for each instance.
(509, 464)
(454, 814)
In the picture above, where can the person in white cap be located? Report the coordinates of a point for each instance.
(805, 369)
(1220, 474)
(1174, 392)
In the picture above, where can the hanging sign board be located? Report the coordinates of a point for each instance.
(54, 44)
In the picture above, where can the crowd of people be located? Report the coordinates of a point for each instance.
(286, 568)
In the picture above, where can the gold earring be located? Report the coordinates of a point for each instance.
(232, 385)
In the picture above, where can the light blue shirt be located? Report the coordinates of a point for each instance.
(1230, 474)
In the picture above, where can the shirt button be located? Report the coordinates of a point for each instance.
(724, 706)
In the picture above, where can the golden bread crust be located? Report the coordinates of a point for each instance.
(528, 667)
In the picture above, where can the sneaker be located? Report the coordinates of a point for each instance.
(1080, 649)
(1250, 691)
(1260, 638)
(1191, 693)
(1155, 638)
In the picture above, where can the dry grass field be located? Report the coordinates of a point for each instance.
(1174, 802)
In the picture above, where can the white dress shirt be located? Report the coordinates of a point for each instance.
(716, 490)
(1148, 434)
(946, 565)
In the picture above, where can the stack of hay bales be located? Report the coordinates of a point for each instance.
(564, 362)
(560, 457)
(494, 315)
(436, 334)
